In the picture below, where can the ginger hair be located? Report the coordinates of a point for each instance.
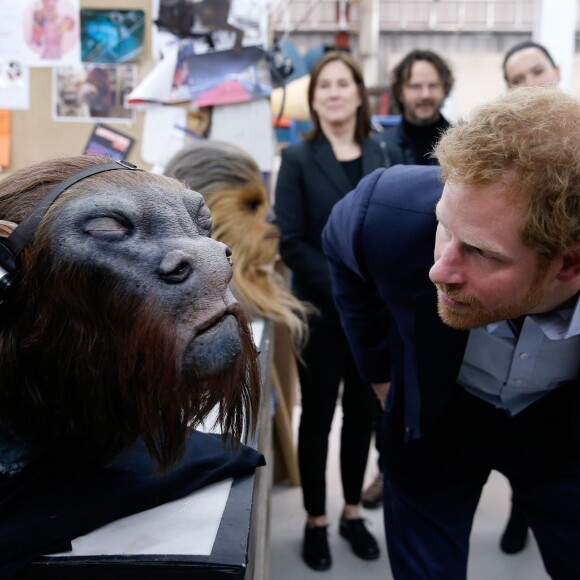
(528, 138)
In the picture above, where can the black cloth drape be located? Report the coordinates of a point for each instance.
(49, 504)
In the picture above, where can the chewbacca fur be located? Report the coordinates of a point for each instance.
(234, 190)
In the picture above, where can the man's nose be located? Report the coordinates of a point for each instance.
(448, 267)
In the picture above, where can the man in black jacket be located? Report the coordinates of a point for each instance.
(420, 84)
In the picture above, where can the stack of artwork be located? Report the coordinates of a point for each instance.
(213, 54)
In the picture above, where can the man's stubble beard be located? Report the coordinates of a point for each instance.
(426, 121)
(476, 315)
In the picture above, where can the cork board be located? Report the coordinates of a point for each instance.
(36, 137)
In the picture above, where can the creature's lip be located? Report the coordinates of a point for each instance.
(271, 237)
(216, 349)
(233, 309)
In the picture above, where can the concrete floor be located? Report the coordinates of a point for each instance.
(486, 560)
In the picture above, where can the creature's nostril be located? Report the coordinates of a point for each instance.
(228, 256)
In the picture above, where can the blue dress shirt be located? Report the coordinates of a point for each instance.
(511, 371)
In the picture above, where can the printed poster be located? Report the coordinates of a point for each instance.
(105, 140)
(112, 35)
(93, 92)
(51, 32)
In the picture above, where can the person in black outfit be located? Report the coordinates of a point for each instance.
(313, 176)
(420, 84)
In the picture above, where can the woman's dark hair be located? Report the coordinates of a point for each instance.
(363, 115)
(402, 73)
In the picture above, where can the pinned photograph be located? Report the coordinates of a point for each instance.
(51, 32)
(111, 35)
(225, 76)
(93, 92)
(14, 85)
(108, 141)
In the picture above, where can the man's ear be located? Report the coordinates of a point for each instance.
(570, 267)
(6, 228)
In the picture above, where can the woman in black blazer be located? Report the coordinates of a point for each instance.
(313, 176)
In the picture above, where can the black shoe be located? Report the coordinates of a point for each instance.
(315, 550)
(362, 542)
(515, 535)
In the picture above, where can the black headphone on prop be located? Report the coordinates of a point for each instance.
(12, 246)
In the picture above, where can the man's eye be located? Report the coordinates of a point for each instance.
(108, 228)
(482, 254)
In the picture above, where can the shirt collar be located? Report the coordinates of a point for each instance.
(557, 324)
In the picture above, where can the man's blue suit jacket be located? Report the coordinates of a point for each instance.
(379, 241)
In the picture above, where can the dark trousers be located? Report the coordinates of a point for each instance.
(433, 485)
(327, 362)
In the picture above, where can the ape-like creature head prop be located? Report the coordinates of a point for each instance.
(233, 188)
(120, 322)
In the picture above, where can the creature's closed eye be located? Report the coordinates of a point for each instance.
(108, 228)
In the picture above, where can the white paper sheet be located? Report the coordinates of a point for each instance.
(11, 30)
(14, 84)
(248, 125)
(187, 526)
(164, 134)
(252, 17)
(156, 86)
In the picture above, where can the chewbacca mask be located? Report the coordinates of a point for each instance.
(233, 188)
(120, 322)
